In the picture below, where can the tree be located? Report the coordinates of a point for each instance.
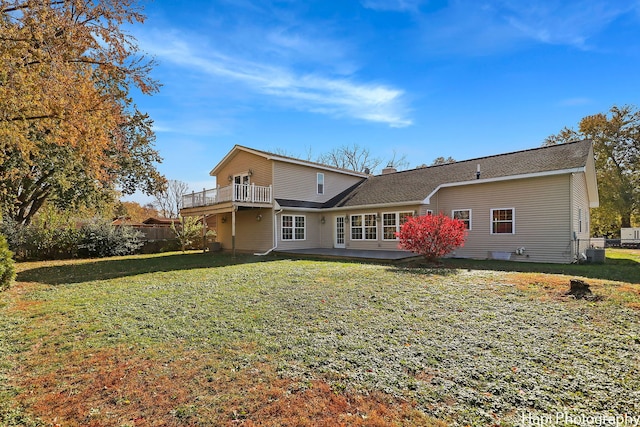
(169, 199)
(69, 132)
(398, 163)
(135, 212)
(442, 161)
(7, 268)
(353, 157)
(433, 236)
(358, 158)
(616, 143)
(187, 231)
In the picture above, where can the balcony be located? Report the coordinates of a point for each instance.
(236, 193)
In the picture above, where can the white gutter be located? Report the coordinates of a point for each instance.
(351, 208)
(275, 234)
(427, 200)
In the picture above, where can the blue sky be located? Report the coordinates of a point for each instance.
(460, 78)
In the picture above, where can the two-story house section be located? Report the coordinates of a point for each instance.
(530, 205)
(265, 200)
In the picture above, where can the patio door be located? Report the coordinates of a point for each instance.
(339, 232)
(241, 188)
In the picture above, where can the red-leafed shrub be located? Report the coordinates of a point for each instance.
(433, 236)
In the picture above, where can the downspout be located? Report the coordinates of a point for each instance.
(275, 234)
(575, 243)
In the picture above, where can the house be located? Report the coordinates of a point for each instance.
(530, 205)
(630, 237)
(160, 222)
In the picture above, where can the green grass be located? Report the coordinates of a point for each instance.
(621, 265)
(462, 344)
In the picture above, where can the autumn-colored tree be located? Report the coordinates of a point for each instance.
(616, 144)
(432, 236)
(135, 211)
(69, 131)
(187, 231)
(442, 161)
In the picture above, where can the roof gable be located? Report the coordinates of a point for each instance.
(277, 157)
(418, 185)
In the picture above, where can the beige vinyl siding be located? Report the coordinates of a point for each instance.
(251, 235)
(241, 163)
(313, 230)
(298, 182)
(379, 243)
(542, 217)
(580, 213)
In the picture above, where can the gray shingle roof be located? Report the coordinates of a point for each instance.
(417, 184)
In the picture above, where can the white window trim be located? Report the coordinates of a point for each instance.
(293, 228)
(397, 224)
(364, 234)
(318, 175)
(513, 221)
(453, 211)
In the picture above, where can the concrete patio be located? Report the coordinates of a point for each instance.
(351, 254)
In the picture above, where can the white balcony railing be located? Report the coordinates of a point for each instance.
(247, 193)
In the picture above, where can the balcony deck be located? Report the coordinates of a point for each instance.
(248, 194)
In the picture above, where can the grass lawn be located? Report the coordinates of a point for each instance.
(200, 340)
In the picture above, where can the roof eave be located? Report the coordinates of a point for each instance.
(269, 156)
(427, 200)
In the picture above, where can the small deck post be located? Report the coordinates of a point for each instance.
(233, 232)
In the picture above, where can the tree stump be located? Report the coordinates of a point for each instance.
(580, 290)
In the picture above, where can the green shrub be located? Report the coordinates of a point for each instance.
(7, 269)
(50, 236)
(101, 239)
(17, 237)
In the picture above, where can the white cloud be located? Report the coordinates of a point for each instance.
(479, 28)
(335, 96)
(562, 22)
(392, 5)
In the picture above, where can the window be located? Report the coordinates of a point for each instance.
(503, 221)
(392, 222)
(320, 183)
(293, 227)
(463, 215)
(364, 227)
(389, 226)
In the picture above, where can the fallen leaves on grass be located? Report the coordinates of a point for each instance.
(307, 343)
(118, 387)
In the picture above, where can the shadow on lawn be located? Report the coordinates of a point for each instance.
(109, 268)
(623, 270)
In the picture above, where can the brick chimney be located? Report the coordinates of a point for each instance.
(389, 169)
